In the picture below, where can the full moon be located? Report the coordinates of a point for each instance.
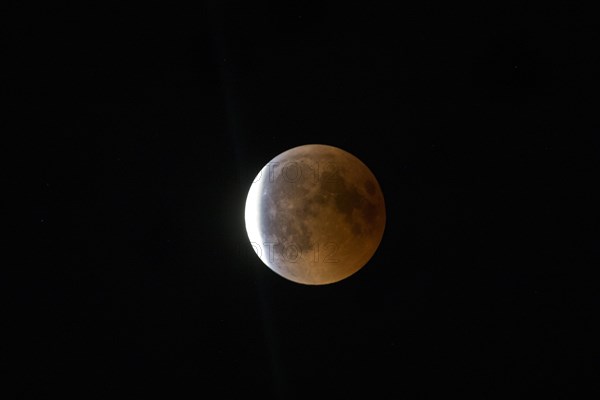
(315, 214)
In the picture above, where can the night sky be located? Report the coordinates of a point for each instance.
(140, 131)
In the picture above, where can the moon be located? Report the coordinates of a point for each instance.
(315, 214)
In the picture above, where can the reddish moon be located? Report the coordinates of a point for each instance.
(315, 214)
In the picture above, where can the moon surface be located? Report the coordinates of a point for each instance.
(315, 214)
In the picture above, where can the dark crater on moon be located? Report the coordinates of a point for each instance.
(348, 199)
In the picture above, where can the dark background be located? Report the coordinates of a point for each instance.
(141, 130)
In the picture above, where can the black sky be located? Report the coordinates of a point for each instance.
(141, 130)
